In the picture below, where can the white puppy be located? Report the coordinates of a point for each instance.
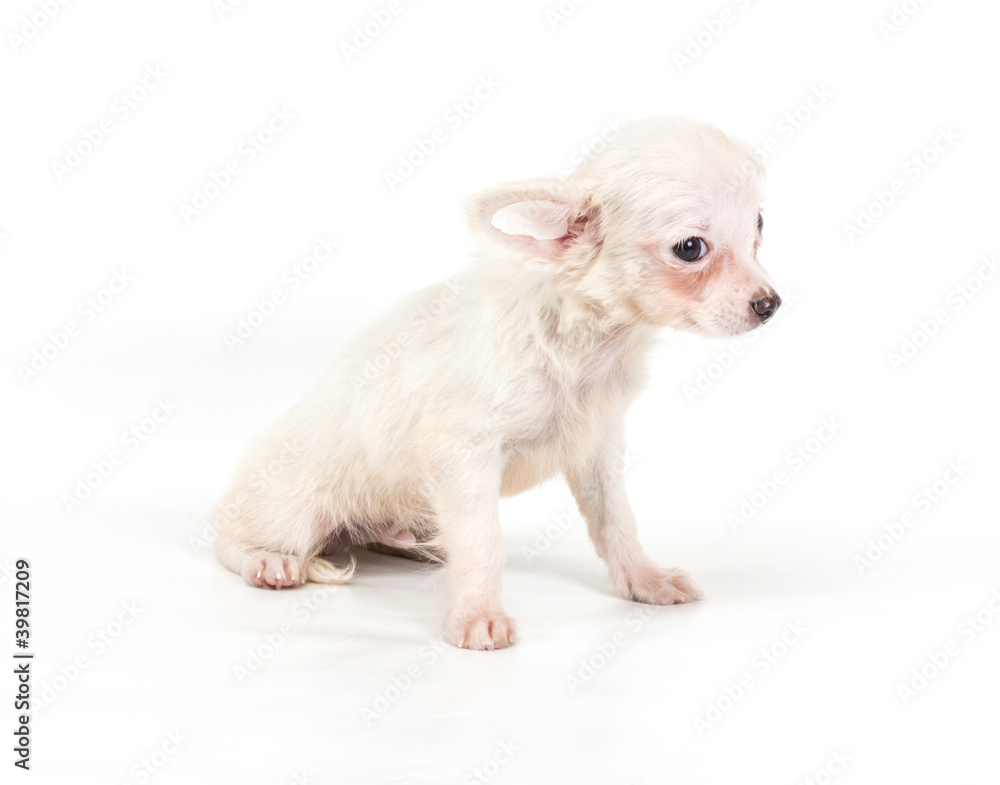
(520, 368)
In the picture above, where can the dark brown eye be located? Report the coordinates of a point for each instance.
(760, 222)
(691, 249)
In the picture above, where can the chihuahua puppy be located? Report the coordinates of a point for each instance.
(519, 369)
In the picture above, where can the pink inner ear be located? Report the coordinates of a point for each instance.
(540, 219)
(549, 248)
(541, 227)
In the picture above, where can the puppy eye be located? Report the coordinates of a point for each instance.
(760, 222)
(691, 249)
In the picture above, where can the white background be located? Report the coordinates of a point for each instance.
(327, 698)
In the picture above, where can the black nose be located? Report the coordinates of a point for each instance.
(765, 306)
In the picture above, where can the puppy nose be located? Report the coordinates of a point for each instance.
(765, 306)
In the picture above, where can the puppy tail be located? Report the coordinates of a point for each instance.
(319, 570)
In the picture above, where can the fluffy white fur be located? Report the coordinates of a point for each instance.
(519, 369)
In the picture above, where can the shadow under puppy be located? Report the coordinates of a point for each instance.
(520, 368)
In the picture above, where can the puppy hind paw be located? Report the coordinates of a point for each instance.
(275, 571)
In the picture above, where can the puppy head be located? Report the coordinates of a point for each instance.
(662, 227)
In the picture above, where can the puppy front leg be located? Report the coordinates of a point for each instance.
(599, 489)
(467, 504)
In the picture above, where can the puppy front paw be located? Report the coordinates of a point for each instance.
(654, 585)
(480, 631)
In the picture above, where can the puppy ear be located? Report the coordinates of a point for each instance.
(546, 219)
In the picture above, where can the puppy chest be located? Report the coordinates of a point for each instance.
(562, 432)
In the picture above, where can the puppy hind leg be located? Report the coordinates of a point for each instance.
(281, 552)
